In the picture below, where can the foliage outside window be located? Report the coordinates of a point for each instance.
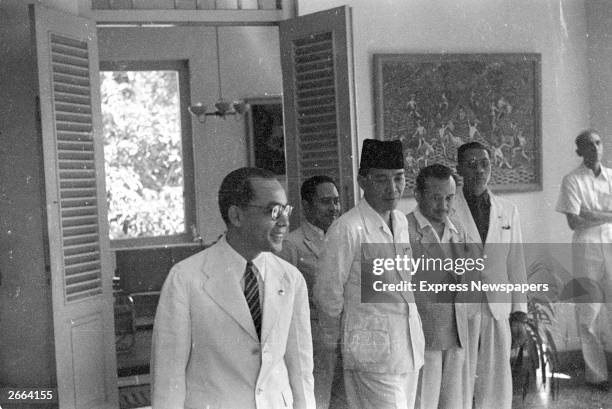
(143, 153)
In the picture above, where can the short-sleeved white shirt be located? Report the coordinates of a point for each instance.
(581, 189)
(591, 252)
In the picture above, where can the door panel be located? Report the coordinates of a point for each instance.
(318, 102)
(81, 273)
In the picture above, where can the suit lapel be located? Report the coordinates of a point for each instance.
(310, 239)
(462, 213)
(276, 296)
(229, 296)
(401, 242)
(430, 249)
(494, 221)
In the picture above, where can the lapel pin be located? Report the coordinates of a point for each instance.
(281, 292)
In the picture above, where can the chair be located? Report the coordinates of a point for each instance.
(125, 318)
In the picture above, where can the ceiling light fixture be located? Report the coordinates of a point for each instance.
(223, 108)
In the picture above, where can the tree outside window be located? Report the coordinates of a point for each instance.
(143, 153)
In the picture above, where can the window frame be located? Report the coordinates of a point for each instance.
(187, 150)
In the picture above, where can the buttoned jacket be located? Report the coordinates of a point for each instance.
(383, 337)
(502, 252)
(302, 248)
(444, 321)
(206, 353)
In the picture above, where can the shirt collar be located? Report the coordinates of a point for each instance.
(374, 217)
(603, 174)
(423, 222)
(237, 263)
(483, 198)
(314, 230)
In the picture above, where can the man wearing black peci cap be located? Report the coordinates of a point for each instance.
(382, 343)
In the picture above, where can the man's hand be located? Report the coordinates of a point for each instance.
(518, 328)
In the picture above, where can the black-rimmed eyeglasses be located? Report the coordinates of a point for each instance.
(275, 211)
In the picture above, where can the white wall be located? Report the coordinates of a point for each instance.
(250, 67)
(599, 23)
(554, 28)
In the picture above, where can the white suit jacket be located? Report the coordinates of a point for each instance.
(302, 248)
(382, 337)
(206, 353)
(505, 262)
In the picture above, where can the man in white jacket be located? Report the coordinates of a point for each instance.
(493, 224)
(232, 328)
(382, 342)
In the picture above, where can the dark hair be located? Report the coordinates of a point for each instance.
(436, 170)
(236, 189)
(470, 145)
(309, 187)
(583, 136)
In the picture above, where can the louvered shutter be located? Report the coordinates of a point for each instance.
(76, 165)
(317, 96)
(316, 106)
(78, 244)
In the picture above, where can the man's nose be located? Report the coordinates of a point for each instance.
(282, 220)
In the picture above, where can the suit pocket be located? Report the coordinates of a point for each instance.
(368, 342)
(287, 399)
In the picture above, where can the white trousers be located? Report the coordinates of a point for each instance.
(369, 390)
(441, 384)
(595, 366)
(487, 371)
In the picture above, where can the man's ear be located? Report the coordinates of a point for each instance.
(578, 152)
(235, 215)
(305, 205)
(459, 169)
(361, 180)
(417, 196)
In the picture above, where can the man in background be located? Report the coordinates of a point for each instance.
(586, 201)
(492, 223)
(321, 206)
(232, 327)
(382, 343)
(434, 235)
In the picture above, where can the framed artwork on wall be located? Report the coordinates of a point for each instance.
(434, 103)
(265, 135)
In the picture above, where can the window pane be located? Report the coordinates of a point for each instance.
(142, 153)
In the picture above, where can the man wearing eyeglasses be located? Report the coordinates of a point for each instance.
(232, 327)
(495, 319)
(321, 206)
(382, 343)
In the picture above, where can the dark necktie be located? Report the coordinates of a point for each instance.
(251, 293)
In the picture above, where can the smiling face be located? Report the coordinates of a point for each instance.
(325, 206)
(436, 200)
(257, 228)
(475, 168)
(383, 188)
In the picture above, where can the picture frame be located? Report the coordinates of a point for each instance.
(434, 103)
(265, 133)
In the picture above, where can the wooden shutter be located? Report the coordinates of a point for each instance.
(76, 167)
(318, 101)
(79, 254)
